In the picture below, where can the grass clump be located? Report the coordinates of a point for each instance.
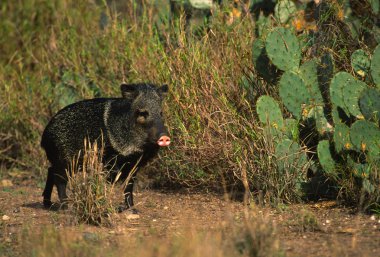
(90, 198)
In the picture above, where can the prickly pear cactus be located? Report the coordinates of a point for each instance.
(336, 89)
(325, 158)
(360, 62)
(322, 125)
(351, 93)
(284, 10)
(291, 129)
(369, 103)
(365, 138)
(325, 72)
(283, 49)
(375, 66)
(261, 61)
(290, 156)
(269, 112)
(342, 137)
(293, 93)
(308, 72)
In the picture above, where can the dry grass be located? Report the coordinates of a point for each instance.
(255, 236)
(90, 197)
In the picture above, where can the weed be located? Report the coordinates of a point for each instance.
(90, 198)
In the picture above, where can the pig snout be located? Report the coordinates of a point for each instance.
(164, 140)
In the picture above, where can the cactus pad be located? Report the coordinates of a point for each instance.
(365, 137)
(283, 49)
(375, 66)
(317, 114)
(293, 93)
(269, 112)
(261, 61)
(308, 72)
(351, 93)
(291, 129)
(360, 62)
(325, 158)
(336, 89)
(284, 10)
(290, 156)
(342, 137)
(369, 103)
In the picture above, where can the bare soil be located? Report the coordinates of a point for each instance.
(316, 229)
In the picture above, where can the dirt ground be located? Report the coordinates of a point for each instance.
(316, 229)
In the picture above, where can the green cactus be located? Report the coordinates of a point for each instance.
(360, 62)
(325, 71)
(283, 49)
(336, 89)
(291, 129)
(293, 93)
(263, 25)
(375, 5)
(351, 93)
(261, 61)
(342, 137)
(317, 114)
(269, 112)
(308, 72)
(284, 10)
(375, 66)
(290, 157)
(369, 103)
(325, 158)
(365, 137)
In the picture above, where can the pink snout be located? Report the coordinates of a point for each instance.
(163, 141)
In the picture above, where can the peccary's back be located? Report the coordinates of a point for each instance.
(64, 135)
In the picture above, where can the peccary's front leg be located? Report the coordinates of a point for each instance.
(128, 193)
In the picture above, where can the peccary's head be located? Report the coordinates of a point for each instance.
(135, 122)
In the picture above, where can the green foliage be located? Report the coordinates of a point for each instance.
(365, 137)
(289, 155)
(284, 10)
(336, 89)
(283, 49)
(342, 137)
(375, 66)
(369, 103)
(360, 62)
(269, 112)
(325, 157)
(309, 74)
(293, 93)
(337, 110)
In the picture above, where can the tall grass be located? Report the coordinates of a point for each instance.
(47, 46)
(90, 199)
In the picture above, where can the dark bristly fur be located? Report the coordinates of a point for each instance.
(130, 127)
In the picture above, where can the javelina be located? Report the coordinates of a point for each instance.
(131, 126)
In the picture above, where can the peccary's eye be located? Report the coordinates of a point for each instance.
(144, 114)
(141, 116)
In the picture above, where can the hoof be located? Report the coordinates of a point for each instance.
(123, 208)
(47, 203)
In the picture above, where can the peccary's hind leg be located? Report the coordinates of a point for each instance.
(48, 188)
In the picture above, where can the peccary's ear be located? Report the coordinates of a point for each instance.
(128, 90)
(163, 90)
